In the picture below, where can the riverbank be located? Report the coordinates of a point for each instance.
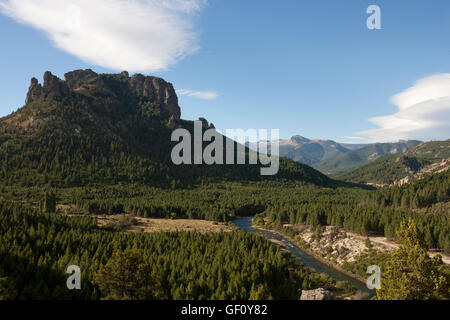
(307, 258)
(314, 254)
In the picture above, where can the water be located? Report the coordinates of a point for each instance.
(246, 224)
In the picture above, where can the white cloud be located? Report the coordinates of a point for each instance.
(133, 35)
(423, 113)
(204, 95)
(354, 138)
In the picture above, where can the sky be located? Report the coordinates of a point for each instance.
(306, 67)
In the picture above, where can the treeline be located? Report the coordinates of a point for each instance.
(286, 202)
(367, 220)
(36, 249)
(211, 202)
(354, 209)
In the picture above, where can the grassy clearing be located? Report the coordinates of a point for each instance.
(139, 224)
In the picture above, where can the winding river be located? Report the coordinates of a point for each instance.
(310, 261)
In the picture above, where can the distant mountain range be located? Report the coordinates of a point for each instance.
(426, 158)
(333, 158)
(351, 160)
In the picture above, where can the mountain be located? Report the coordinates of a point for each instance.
(109, 128)
(331, 157)
(424, 159)
(308, 151)
(354, 146)
(351, 160)
(311, 151)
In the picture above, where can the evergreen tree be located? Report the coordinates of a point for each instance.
(126, 276)
(48, 204)
(260, 293)
(410, 273)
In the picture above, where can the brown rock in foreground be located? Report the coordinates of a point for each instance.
(316, 294)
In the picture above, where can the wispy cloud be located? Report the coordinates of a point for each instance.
(204, 95)
(133, 35)
(354, 138)
(423, 113)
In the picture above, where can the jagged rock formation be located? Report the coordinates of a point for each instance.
(316, 294)
(109, 128)
(35, 91)
(155, 89)
(75, 78)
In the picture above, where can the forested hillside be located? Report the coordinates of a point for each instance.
(421, 193)
(281, 202)
(354, 159)
(109, 128)
(36, 249)
(423, 159)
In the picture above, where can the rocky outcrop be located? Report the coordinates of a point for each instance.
(316, 294)
(437, 167)
(75, 78)
(52, 84)
(36, 91)
(155, 89)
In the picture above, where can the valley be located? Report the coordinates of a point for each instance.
(358, 289)
(86, 178)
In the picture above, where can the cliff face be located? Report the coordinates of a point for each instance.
(156, 90)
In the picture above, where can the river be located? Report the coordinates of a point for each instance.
(310, 261)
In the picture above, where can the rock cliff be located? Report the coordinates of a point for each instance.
(154, 89)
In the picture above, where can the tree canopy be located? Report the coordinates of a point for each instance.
(410, 273)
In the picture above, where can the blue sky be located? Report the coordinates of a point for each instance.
(308, 67)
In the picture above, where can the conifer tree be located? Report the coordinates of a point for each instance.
(126, 276)
(410, 273)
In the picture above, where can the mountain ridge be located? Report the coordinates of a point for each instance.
(109, 128)
(353, 159)
(307, 151)
(423, 159)
(331, 157)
